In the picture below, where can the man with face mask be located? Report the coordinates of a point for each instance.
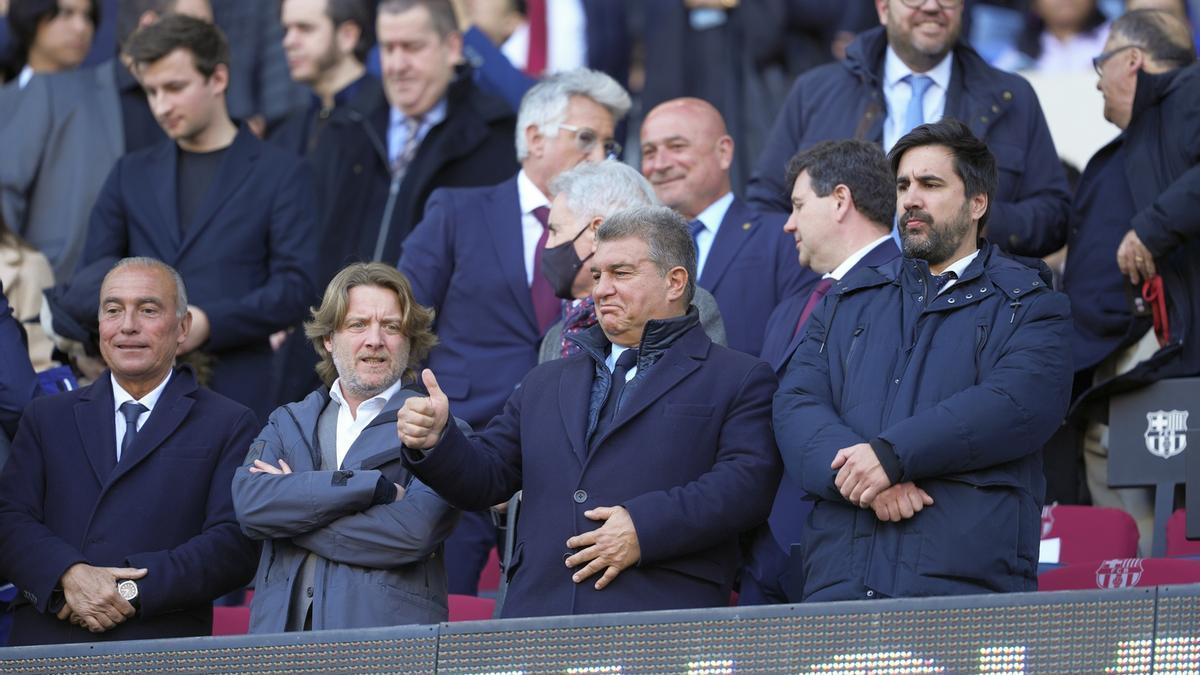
(582, 199)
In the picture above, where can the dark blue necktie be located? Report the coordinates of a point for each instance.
(696, 227)
(942, 279)
(131, 410)
(626, 361)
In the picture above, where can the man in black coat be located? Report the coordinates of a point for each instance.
(1135, 233)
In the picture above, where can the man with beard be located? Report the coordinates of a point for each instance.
(915, 408)
(350, 540)
(914, 70)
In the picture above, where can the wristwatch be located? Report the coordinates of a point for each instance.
(128, 589)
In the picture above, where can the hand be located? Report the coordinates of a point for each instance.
(257, 125)
(860, 476)
(199, 332)
(276, 339)
(900, 502)
(262, 467)
(421, 421)
(612, 547)
(1134, 259)
(91, 594)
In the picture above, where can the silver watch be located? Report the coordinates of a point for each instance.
(128, 589)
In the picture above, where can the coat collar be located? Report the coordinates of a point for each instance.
(1152, 88)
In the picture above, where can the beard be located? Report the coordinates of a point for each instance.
(368, 385)
(942, 240)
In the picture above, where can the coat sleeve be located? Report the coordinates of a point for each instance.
(108, 227)
(1008, 415)
(18, 382)
(270, 506)
(428, 256)
(386, 535)
(808, 428)
(33, 556)
(475, 473)
(1034, 221)
(732, 497)
(290, 284)
(766, 190)
(216, 560)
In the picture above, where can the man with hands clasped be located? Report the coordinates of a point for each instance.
(641, 458)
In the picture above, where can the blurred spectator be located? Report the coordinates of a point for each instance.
(25, 274)
(1133, 262)
(350, 539)
(745, 260)
(51, 35)
(65, 133)
(475, 259)
(18, 383)
(115, 506)
(582, 199)
(1060, 36)
(233, 214)
(260, 90)
(913, 70)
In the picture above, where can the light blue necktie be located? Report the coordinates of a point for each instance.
(696, 228)
(915, 115)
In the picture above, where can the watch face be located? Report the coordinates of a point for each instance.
(128, 589)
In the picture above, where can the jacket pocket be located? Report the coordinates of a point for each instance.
(981, 338)
(855, 338)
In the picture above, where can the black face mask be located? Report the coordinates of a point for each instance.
(560, 264)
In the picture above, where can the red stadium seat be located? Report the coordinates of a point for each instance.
(231, 620)
(471, 608)
(1090, 532)
(1177, 542)
(489, 577)
(1120, 573)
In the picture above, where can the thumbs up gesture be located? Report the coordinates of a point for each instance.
(420, 423)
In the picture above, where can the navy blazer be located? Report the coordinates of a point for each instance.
(166, 507)
(248, 260)
(751, 268)
(689, 455)
(466, 259)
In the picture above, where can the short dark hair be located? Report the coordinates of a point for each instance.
(857, 164)
(24, 16)
(973, 162)
(129, 13)
(441, 13)
(357, 12)
(204, 40)
(1160, 34)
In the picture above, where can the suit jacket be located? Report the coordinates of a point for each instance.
(247, 259)
(751, 268)
(467, 261)
(689, 455)
(60, 136)
(165, 507)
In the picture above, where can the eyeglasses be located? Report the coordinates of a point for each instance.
(944, 4)
(1098, 61)
(586, 139)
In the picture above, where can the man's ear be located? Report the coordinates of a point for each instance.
(979, 205)
(185, 327)
(677, 280)
(725, 151)
(347, 36)
(843, 202)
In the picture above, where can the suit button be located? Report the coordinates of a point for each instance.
(308, 591)
(580, 496)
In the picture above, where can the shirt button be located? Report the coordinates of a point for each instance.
(580, 496)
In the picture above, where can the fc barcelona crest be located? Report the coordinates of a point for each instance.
(1119, 573)
(1166, 432)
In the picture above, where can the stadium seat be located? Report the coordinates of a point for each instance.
(489, 576)
(471, 608)
(1178, 545)
(1089, 533)
(1120, 573)
(231, 620)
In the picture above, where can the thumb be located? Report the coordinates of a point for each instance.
(926, 498)
(839, 460)
(431, 385)
(127, 572)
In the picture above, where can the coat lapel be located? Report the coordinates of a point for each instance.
(110, 108)
(94, 415)
(170, 411)
(737, 227)
(504, 226)
(164, 183)
(574, 394)
(235, 167)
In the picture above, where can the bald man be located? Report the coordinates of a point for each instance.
(743, 258)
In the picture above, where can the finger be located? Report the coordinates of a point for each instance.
(126, 573)
(431, 385)
(609, 574)
(93, 624)
(592, 568)
(839, 460)
(913, 500)
(64, 613)
(599, 513)
(582, 540)
(284, 465)
(926, 498)
(264, 467)
(1148, 267)
(255, 469)
(905, 509)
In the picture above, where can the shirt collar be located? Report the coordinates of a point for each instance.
(959, 266)
(895, 70)
(379, 400)
(24, 76)
(849, 263)
(433, 117)
(715, 213)
(528, 194)
(149, 400)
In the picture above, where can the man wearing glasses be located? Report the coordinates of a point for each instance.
(475, 259)
(913, 70)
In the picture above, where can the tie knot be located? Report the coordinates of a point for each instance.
(542, 213)
(696, 227)
(920, 84)
(626, 360)
(132, 410)
(942, 279)
(823, 286)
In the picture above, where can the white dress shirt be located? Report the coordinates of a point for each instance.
(958, 267)
(849, 263)
(897, 92)
(566, 38)
(349, 426)
(530, 198)
(711, 217)
(397, 135)
(611, 361)
(120, 396)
